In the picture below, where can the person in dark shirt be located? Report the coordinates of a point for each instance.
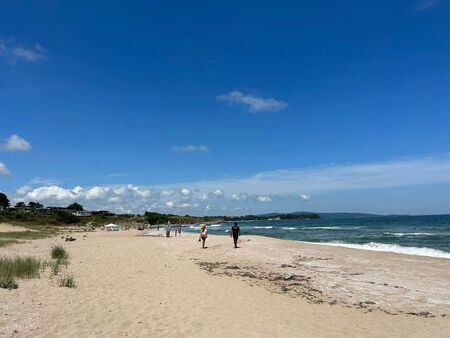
(235, 232)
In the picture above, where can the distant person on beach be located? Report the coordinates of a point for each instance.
(179, 229)
(203, 234)
(235, 232)
(168, 228)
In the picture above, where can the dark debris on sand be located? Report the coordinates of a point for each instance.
(292, 283)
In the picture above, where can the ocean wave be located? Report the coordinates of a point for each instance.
(330, 228)
(288, 228)
(215, 225)
(194, 227)
(267, 227)
(406, 250)
(402, 234)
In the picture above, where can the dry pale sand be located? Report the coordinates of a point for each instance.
(5, 227)
(141, 286)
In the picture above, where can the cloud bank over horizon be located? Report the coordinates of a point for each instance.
(246, 195)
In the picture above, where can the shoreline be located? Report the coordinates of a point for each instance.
(370, 246)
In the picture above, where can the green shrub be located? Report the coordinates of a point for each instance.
(59, 252)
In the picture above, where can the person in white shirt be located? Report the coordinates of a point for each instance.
(203, 234)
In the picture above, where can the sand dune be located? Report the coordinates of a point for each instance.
(136, 286)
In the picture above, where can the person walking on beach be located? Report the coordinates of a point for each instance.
(235, 232)
(179, 229)
(203, 234)
(168, 227)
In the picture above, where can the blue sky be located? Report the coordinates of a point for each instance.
(203, 107)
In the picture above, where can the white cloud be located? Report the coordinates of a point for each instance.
(397, 173)
(130, 197)
(191, 206)
(167, 192)
(32, 54)
(143, 193)
(263, 199)
(96, 193)
(4, 171)
(254, 104)
(50, 193)
(13, 51)
(304, 197)
(170, 204)
(15, 143)
(185, 192)
(120, 191)
(426, 4)
(114, 199)
(203, 197)
(191, 148)
(77, 189)
(277, 186)
(239, 197)
(218, 193)
(23, 190)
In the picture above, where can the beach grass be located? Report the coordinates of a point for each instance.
(12, 268)
(5, 242)
(16, 237)
(67, 280)
(55, 267)
(38, 233)
(59, 252)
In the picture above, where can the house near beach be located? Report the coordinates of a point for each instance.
(81, 213)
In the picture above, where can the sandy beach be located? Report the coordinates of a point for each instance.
(5, 227)
(129, 285)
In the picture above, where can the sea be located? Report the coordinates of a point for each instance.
(411, 235)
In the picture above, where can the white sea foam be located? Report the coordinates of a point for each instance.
(289, 228)
(401, 234)
(391, 248)
(215, 225)
(267, 227)
(330, 228)
(195, 227)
